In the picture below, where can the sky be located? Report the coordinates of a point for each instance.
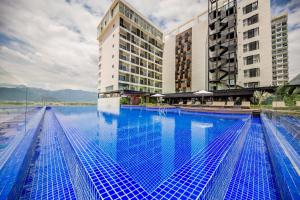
(52, 44)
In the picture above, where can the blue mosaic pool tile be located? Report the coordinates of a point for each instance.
(147, 154)
(48, 177)
(282, 154)
(253, 177)
(108, 179)
(13, 173)
(193, 179)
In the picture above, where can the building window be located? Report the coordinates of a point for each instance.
(251, 73)
(112, 76)
(251, 33)
(109, 88)
(249, 60)
(251, 7)
(113, 66)
(251, 20)
(251, 84)
(251, 46)
(113, 56)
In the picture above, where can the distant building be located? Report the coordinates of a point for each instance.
(130, 51)
(185, 57)
(280, 49)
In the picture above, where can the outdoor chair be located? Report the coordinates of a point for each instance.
(298, 103)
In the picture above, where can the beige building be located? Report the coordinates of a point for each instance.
(130, 51)
(254, 43)
(280, 49)
(185, 57)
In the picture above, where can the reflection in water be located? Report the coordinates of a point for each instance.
(148, 145)
(151, 146)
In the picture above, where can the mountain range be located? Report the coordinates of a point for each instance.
(10, 92)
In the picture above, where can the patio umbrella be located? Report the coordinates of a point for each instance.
(203, 93)
(158, 95)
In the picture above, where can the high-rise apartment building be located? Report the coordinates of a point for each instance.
(227, 47)
(254, 43)
(131, 51)
(185, 57)
(280, 49)
(239, 41)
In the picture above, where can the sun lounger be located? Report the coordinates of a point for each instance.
(230, 104)
(218, 104)
(245, 104)
(189, 103)
(298, 103)
(197, 103)
(278, 104)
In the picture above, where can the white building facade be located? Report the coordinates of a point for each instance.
(254, 43)
(227, 47)
(280, 49)
(130, 51)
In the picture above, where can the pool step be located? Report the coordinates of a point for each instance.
(253, 177)
(48, 177)
(284, 156)
(207, 174)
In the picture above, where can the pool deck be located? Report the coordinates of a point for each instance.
(223, 110)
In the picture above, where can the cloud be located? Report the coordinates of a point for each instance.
(52, 44)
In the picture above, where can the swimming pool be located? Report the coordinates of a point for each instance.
(146, 153)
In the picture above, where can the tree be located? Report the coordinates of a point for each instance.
(261, 96)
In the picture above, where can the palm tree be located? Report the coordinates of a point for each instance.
(261, 96)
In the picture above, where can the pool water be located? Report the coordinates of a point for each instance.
(76, 152)
(149, 145)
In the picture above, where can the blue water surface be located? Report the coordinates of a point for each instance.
(149, 145)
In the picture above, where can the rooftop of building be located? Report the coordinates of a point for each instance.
(132, 8)
(280, 16)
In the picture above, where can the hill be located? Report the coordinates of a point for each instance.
(18, 93)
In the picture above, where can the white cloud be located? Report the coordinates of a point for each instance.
(52, 44)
